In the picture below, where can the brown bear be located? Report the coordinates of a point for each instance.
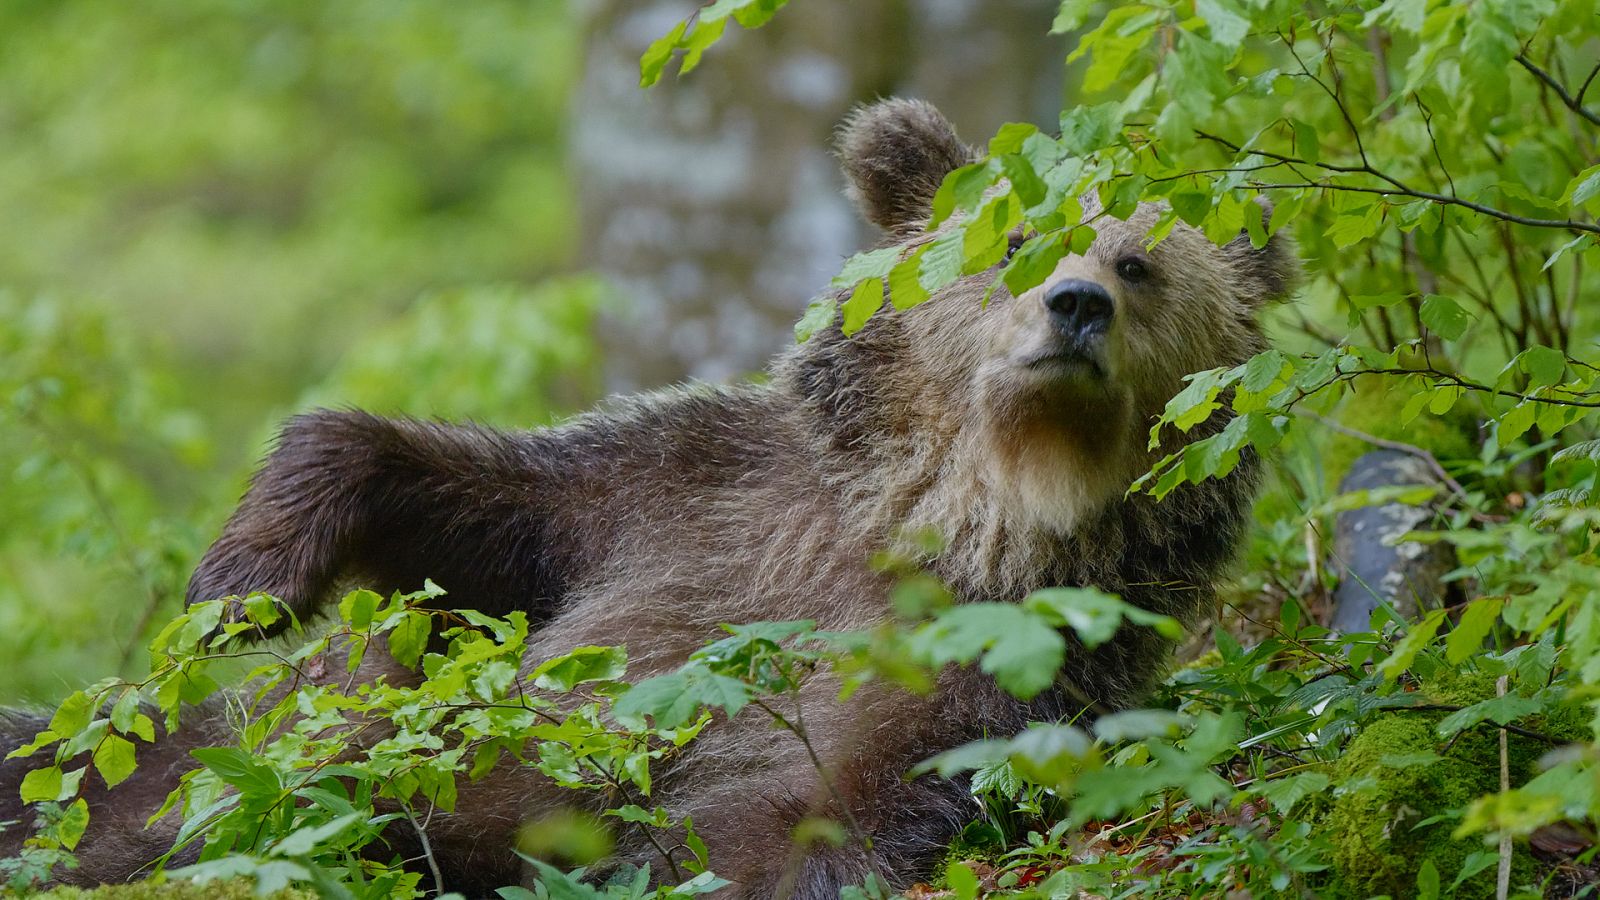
(1013, 429)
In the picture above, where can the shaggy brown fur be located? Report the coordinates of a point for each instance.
(652, 521)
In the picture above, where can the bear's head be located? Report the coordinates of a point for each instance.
(1052, 392)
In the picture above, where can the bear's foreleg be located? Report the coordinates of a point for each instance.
(392, 502)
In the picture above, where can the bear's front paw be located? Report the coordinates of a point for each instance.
(234, 568)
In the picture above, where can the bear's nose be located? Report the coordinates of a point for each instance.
(1079, 307)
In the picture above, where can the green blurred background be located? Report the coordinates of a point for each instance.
(214, 213)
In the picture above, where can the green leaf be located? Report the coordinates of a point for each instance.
(122, 714)
(961, 881)
(114, 759)
(659, 52)
(1445, 317)
(1194, 404)
(1284, 793)
(1264, 370)
(1568, 247)
(905, 283)
(73, 715)
(1500, 710)
(819, 315)
(1583, 187)
(1072, 15)
(1253, 226)
(144, 728)
(1010, 137)
(579, 666)
(1443, 398)
(1544, 365)
(409, 638)
(1353, 227)
(865, 300)
(1466, 639)
(1191, 205)
(357, 607)
(1401, 15)
(1095, 616)
(41, 784)
(1427, 881)
(871, 264)
(1030, 189)
(962, 189)
(1589, 450)
(693, 43)
(748, 13)
(1025, 661)
(1085, 129)
(1136, 725)
(703, 883)
(303, 841)
(1415, 641)
(1021, 650)
(1228, 27)
(675, 699)
(1033, 263)
(1516, 421)
(941, 260)
(74, 822)
(1051, 755)
(40, 741)
(1305, 141)
(240, 769)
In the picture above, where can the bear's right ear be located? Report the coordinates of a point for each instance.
(896, 153)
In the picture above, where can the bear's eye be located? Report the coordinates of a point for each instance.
(1132, 269)
(1014, 243)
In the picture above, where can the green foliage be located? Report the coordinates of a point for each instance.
(208, 207)
(1435, 163)
(321, 765)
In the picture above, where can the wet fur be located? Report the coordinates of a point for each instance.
(651, 522)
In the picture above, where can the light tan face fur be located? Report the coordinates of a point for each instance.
(1064, 442)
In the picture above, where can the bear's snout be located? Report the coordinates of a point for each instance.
(1080, 310)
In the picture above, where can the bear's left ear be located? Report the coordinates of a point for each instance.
(896, 153)
(1267, 275)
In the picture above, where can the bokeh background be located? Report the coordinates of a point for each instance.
(214, 213)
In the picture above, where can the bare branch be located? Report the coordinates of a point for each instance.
(427, 850)
(1568, 224)
(1571, 102)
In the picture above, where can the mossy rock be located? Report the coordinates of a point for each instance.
(1375, 827)
(1375, 409)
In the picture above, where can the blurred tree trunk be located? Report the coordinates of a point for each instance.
(712, 201)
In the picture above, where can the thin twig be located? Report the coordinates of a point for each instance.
(799, 731)
(1433, 462)
(1454, 380)
(1586, 82)
(1572, 103)
(1568, 224)
(1333, 94)
(1398, 188)
(427, 851)
(1502, 888)
(1449, 708)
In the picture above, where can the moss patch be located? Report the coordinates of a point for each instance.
(1388, 789)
